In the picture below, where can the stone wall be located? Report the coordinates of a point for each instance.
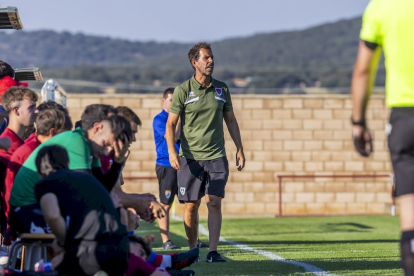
(282, 135)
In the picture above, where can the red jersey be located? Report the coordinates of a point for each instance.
(15, 143)
(106, 163)
(14, 165)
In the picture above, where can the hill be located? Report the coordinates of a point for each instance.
(322, 55)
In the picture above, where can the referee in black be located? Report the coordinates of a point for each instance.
(388, 25)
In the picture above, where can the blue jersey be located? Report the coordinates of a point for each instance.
(159, 126)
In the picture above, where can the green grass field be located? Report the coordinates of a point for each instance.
(339, 245)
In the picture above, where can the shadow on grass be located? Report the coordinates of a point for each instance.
(352, 224)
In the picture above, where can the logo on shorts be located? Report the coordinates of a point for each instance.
(182, 190)
(219, 91)
(167, 193)
(191, 94)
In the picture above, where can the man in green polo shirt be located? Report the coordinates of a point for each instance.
(388, 25)
(202, 103)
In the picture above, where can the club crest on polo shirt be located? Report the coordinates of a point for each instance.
(182, 190)
(167, 193)
(191, 94)
(219, 91)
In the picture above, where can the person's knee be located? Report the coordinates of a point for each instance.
(192, 207)
(214, 203)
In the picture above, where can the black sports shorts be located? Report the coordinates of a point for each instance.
(401, 145)
(167, 180)
(28, 219)
(197, 178)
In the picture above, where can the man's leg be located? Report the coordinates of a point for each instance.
(167, 179)
(214, 220)
(191, 222)
(164, 224)
(407, 227)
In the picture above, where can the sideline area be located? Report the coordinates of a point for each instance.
(355, 245)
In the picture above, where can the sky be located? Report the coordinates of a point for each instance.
(180, 20)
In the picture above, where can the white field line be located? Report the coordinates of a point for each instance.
(310, 268)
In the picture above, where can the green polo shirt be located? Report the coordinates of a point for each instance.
(79, 153)
(201, 112)
(390, 24)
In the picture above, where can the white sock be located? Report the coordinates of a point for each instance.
(166, 261)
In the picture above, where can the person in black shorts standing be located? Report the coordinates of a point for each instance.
(167, 176)
(202, 103)
(388, 26)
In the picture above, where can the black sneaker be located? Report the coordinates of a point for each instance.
(214, 257)
(181, 260)
(201, 244)
(169, 245)
(175, 272)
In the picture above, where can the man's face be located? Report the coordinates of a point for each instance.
(167, 102)
(137, 249)
(134, 128)
(102, 140)
(205, 63)
(26, 111)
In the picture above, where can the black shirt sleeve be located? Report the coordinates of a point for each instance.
(43, 187)
(108, 180)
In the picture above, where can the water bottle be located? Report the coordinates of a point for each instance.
(43, 266)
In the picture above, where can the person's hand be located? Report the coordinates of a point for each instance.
(137, 218)
(5, 143)
(157, 210)
(142, 205)
(174, 161)
(362, 140)
(57, 260)
(121, 149)
(57, 248)
(133, 221)
(240, 159)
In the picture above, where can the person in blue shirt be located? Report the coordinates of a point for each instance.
(167, 176)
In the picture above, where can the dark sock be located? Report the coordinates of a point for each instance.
(407, 252)
(213, 252)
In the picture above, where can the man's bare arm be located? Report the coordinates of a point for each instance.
(51, 211)
(170, 137)
(143, 204)
(234, 131)
(363, 79)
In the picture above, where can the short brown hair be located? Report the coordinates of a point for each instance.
(128, 114)
(143, 242)
(52, 118)
(194, 52)
(17, 94)
(168, 91)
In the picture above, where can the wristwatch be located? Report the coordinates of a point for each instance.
(358, 123)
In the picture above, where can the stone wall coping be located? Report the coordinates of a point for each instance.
(235, 96)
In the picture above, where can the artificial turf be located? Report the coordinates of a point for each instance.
(358, 245)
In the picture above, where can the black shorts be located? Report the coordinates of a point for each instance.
(28, 219)
(167, 180)
(401, 145)
(90, 257)
(197, 178)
